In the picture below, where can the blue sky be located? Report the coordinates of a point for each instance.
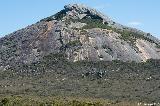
(141, 14)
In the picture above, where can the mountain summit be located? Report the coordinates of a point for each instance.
(79, 33)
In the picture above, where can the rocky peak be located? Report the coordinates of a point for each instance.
(78, 11)
(82, 9)
(79, 7)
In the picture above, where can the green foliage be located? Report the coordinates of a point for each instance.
(128, 36)
(50, 102)
(50, 18)
(132, 36)
(84, 78)
(158, 46)
(83, 32)
(51, 59)
(93, 23)
(125, 35)
(60, 15)
(4, 102)
(10, 48)
(52, 56)
(73, 43)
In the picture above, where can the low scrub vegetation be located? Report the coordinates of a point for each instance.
(125, 34)
(55, 76)
(73, 43)
(59, 101)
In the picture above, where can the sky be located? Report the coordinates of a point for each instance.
(141, 14)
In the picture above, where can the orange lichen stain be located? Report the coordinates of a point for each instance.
(50, 26)
(44, 34)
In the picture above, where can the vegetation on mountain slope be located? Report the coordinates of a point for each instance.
(125, 35)
(55, 76)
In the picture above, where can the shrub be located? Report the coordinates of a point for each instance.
(5, 101)
(94, 23)
(73, 43)
(158, 46)
(60, 15)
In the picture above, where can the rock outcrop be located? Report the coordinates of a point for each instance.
(80, 33)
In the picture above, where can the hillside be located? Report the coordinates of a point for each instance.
(55, 76)
(79, 52)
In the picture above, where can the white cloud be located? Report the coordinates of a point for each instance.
(134, 23)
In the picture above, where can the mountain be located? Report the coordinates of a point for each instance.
(81, 33)
(80, 52)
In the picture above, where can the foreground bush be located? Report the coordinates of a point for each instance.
(48, 101)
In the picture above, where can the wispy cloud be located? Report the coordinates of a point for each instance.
(134, 23)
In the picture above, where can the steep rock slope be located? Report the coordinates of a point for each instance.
(80, 33)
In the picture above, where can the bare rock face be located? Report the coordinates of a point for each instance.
(80, 33)
(83, 10)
